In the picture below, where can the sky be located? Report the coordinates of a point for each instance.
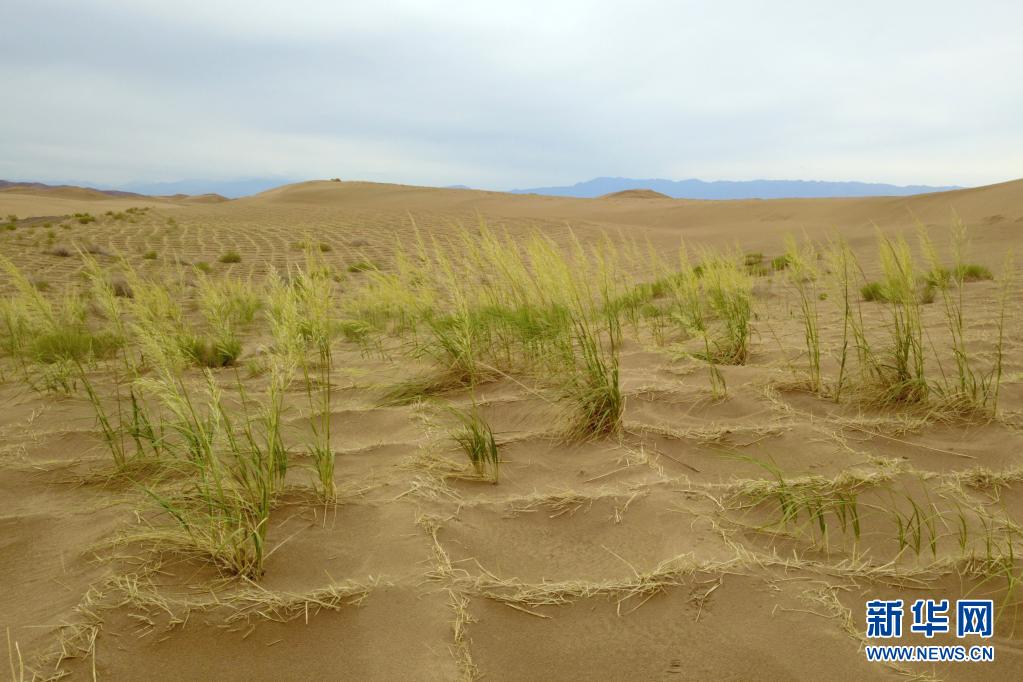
(501, 95)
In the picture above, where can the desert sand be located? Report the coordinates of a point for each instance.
(728, 523)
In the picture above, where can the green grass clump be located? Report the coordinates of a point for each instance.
(40, 329)
(213, 352)
(940, 276)
(235, 476)
(902, 362)
(362, 266)
(226, 305)
(485, 306)
(233, 451)
(149, 255)
(476, 439)
(903, 378)
(970, 388)
(84, 218)
(971, 272)
(354, 330)
(310, 245)
(72, 343)
(729, 292)
(595, 388)
(230, 257)
(874, 291)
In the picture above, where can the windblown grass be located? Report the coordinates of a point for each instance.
(729, 292)
(237, 470)
(969, 389)
(531, 308)
(302, 320)
(43, 329)
(803, 276)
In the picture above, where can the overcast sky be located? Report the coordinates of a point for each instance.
(511, 94)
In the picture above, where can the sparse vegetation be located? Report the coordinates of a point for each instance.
(195, 381)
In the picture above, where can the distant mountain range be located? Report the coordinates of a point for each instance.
(728, 189)
(231, 189)
(17, 184)
(678, 189)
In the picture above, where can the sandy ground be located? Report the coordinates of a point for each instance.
(628, 558)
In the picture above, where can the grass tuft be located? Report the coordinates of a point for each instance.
(474, 436)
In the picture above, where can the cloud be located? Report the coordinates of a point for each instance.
(521, 94)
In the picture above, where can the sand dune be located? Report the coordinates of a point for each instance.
(635, 194)
(704, 535)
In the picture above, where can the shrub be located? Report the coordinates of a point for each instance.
(149, 255)
(231, 257)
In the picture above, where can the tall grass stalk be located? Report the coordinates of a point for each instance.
(729, 291)
(803, 275)
(238, 468)
(302, 320)
(688, 310)
(904, 380)
(969, 389)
